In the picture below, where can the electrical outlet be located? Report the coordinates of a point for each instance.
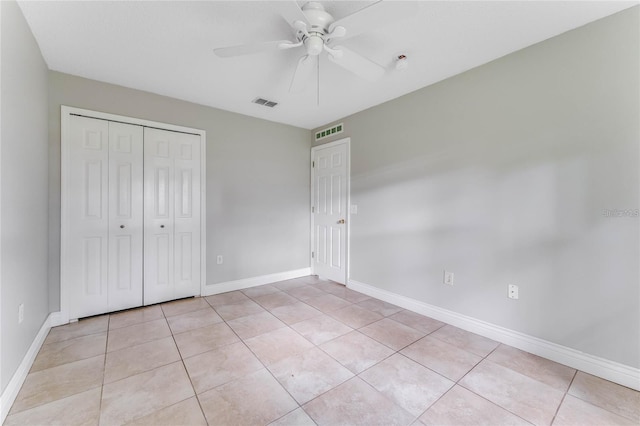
(219, 259)
(21, 313)
(513, 291)
(448, 278)
(354, 209)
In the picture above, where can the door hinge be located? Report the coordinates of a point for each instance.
(313, 254)
(313, 209)
(313, 164)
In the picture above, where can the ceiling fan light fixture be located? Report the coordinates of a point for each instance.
(314, 44)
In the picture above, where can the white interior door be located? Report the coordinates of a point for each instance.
(125, 216)
(105, 216)
(329, 206)
(88, 216)
(158, 217)
(187, 215)
(172, 215)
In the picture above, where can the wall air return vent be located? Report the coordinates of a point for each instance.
(264, 102)
(334, 130)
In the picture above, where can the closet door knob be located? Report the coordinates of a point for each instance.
(121, 226)
(161, 226)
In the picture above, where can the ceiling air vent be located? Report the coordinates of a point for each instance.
(264, 102)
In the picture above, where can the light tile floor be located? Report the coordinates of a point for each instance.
(300, 352)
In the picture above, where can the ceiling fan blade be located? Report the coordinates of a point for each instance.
(357, 64)
(302, 75)
(291, 12)
(375, 16)
(250, 49)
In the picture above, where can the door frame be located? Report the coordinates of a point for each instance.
(344, 141)
(65, 116)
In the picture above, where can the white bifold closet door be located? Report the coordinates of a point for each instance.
(133, 208)
(105, 216)
(171, 215)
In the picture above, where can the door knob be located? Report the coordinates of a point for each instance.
(341, 221)
(161, 226)
(121, 226)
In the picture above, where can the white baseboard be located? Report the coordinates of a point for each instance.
(224, 287)
(11, 391)
(57, 318)
(606, 369)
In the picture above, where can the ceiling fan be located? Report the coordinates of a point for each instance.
(317, 31)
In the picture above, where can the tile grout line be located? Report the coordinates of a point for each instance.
(146, 371)
(314, 346)
(567, 392)
(63, 364)
(267, 368)
(333, 358)
(125, 311)
(241, 340)
(564, 396)
(398, 352)
(104, 369)
(195, 394)
(375, 340)
(164, 317)
(481, 396)
(592, 403)
(439, 374)
(256, 356)
(328, 390)
(67, 362)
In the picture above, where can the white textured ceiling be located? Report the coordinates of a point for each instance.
(166, 47)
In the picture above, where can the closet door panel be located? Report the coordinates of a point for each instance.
(125, 215)
(88, 216)
(187, 214)
(159, 194)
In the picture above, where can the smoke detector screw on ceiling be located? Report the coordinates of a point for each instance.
(264, 102)
(402, 63)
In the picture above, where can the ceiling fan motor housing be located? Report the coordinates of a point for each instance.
(319, 21)
(317, 17)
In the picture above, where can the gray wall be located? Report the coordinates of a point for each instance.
(501, 175)
(23, 189)
(257, 179)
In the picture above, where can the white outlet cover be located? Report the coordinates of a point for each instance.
(354, 209)
(513, 291)
(448, 278)
(219, 259)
